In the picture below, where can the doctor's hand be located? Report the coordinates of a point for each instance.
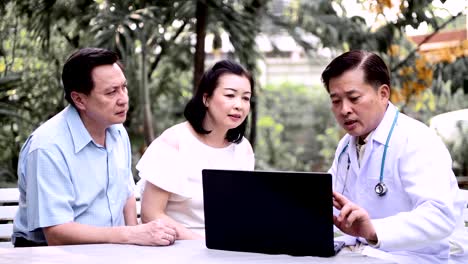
(353, 219)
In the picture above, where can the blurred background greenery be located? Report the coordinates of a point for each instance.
(166, 45)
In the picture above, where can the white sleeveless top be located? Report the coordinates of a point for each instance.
(177, 169)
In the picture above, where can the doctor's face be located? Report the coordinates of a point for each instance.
(358, 106)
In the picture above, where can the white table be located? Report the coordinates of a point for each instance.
(188, 251)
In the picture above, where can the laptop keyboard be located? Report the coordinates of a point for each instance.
(338, 245)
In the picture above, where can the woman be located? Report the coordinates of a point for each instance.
(212, 138)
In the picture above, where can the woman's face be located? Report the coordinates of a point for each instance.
(229, 104)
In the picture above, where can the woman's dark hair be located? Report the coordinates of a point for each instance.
(375, 70)
(76, 73)
(195, 110)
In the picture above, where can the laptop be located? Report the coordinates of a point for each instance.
(269, 212)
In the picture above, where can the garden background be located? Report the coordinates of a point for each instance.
(166, 45)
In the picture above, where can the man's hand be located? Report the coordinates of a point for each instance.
(353, 220)
(154, 233)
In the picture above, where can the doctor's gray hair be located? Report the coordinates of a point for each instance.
(376, 72)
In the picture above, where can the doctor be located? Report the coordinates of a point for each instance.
(397, 196)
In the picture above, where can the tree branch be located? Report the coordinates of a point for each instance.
(69, 40)
(163, 49)
(426, 39)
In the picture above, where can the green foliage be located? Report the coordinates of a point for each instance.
(30, 89)
(293, 122)
(456, 72)
(329, 141)
(47, 19)
(36, 36)
(171, 91)
(296, 128)
(438, 100)
(459, 150)
(241, 20)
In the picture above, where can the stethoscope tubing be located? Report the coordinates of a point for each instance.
(380, 188)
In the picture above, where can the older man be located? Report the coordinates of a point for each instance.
(74, 171)
(393, 178)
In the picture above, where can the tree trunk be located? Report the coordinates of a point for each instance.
(147, 115)
(255, 9)
(253, 121)
(199, 59)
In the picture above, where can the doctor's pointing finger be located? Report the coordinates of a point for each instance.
(353, 219)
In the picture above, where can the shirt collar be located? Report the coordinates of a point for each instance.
(80, 134)
(78, 131)
(369, 136)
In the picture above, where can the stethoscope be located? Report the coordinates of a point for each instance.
(380, 188)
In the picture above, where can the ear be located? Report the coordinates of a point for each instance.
(79, 99)
(206, 100)
(384, 91)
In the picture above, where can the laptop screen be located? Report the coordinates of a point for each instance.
(269, 212)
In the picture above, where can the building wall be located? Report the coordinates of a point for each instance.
(296, 70)
(277, 70)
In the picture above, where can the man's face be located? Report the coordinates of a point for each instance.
(357, 106)
(107, 104)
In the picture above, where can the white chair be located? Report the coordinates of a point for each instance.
(9, 205)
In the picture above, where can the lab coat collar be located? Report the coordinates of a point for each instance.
(381, 132)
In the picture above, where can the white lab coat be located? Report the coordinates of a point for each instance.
(423, 208)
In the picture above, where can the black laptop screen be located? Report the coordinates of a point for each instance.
(269, 212)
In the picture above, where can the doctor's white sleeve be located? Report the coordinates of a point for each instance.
(425, 171)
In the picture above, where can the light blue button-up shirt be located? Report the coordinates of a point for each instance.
(64, 176)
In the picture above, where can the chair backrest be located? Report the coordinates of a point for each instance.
(9, 205)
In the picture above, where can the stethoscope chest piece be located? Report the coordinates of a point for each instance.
(380, 189)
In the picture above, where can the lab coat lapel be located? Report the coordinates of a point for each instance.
(378, 138)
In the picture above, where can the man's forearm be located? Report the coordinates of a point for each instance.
(75, 233)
